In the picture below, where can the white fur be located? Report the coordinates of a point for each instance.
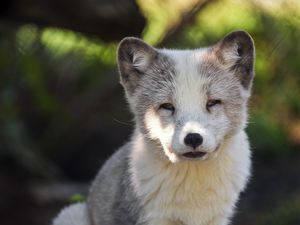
(189, 99)
(75, 214)
(190, 192)
(140, 60)
(231, 55)
(175, 191)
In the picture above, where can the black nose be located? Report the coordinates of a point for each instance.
(193, 140)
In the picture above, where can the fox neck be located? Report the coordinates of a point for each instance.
(160, 183)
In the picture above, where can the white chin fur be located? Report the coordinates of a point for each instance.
(175, 158)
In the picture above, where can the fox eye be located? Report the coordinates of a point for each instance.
(167, 106)
(212, 102)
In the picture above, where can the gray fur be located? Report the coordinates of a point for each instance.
(145, 87)
(111, 199)
(227, 85)
(242, 43)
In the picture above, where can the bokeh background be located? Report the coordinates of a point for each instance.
(62, 110)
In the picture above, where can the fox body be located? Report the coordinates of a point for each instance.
(188, 158)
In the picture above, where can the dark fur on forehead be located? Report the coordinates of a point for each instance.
(237, 51)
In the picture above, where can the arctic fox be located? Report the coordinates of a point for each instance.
(188, 158)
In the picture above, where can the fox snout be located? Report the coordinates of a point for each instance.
(193, 140)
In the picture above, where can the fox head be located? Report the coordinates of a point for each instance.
(188, 101)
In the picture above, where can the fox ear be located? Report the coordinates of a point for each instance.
(134, 57)
(236, 51)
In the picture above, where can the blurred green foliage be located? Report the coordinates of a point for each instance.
(77, 198)
(45, 73)
(50, 70)
(55, 82)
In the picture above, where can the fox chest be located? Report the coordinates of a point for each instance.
(187, 196)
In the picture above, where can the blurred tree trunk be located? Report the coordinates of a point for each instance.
(108, 19)
(187, 18)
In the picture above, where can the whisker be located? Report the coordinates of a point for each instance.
(122, 122)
